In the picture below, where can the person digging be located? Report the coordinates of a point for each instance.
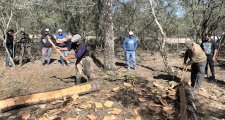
(83, 66)
(197, 61)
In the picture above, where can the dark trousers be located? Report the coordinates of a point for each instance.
(197, 74)
(25, 49)
(210, 62)
(10, 49)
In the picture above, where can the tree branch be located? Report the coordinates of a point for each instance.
(160, 27)
(169, 69)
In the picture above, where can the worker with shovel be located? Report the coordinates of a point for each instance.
(197, 61)
(46, 46)
(83, 63)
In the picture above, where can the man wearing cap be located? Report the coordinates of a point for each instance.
(130, 47)
(9, 45)
(25, 47)
(46, 46)
(61, 43)
(83, 63)
(197, 61)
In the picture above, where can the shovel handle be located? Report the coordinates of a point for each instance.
(57, 49)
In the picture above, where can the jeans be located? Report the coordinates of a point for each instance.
(210, 62)
(10, 49)
(62, 61)
(46, 55)
(197, 74)
(131, 54)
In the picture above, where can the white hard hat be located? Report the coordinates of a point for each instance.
(59, 30)
(46, 30)
(75, 38)
(131, 33)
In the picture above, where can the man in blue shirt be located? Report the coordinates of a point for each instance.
(83, 63)
(61, 43)
(130, 47)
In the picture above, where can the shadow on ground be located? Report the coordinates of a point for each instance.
(147, 67)
(97, 61)
(70, 79)
(120, 64)
(221, 63)
(219, 83)
(208, 113)
(167, 77)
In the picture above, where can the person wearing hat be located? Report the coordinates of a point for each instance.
(61, 43)
(130, 47)
(83, 66)
(9, 45)
(46, 47)
(25, 47)
(197, 61)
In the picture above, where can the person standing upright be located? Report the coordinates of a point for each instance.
(210, 48)
(46, 46)
(130, 47)
(9, 45)
(25, 47)
(61, 43)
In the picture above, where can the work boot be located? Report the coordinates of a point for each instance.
(78, 79)
(90, 78)
(213, 78)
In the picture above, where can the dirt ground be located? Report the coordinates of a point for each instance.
(142, 101)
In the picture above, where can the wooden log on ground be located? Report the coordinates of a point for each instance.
(187, 106)
(37, 98)
(183, 102)
(191, 108)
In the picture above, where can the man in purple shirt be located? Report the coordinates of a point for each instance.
(83, 63)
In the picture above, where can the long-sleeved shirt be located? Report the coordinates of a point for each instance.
(9, 39)
(196, 54)
(80, 51)
(130, 43)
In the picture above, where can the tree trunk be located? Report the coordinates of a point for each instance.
(109, 39)
(168, 68)
(6, 49)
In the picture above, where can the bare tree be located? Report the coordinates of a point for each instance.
(203, 16)
(163, 52)
(6, 25)
(109, 39)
